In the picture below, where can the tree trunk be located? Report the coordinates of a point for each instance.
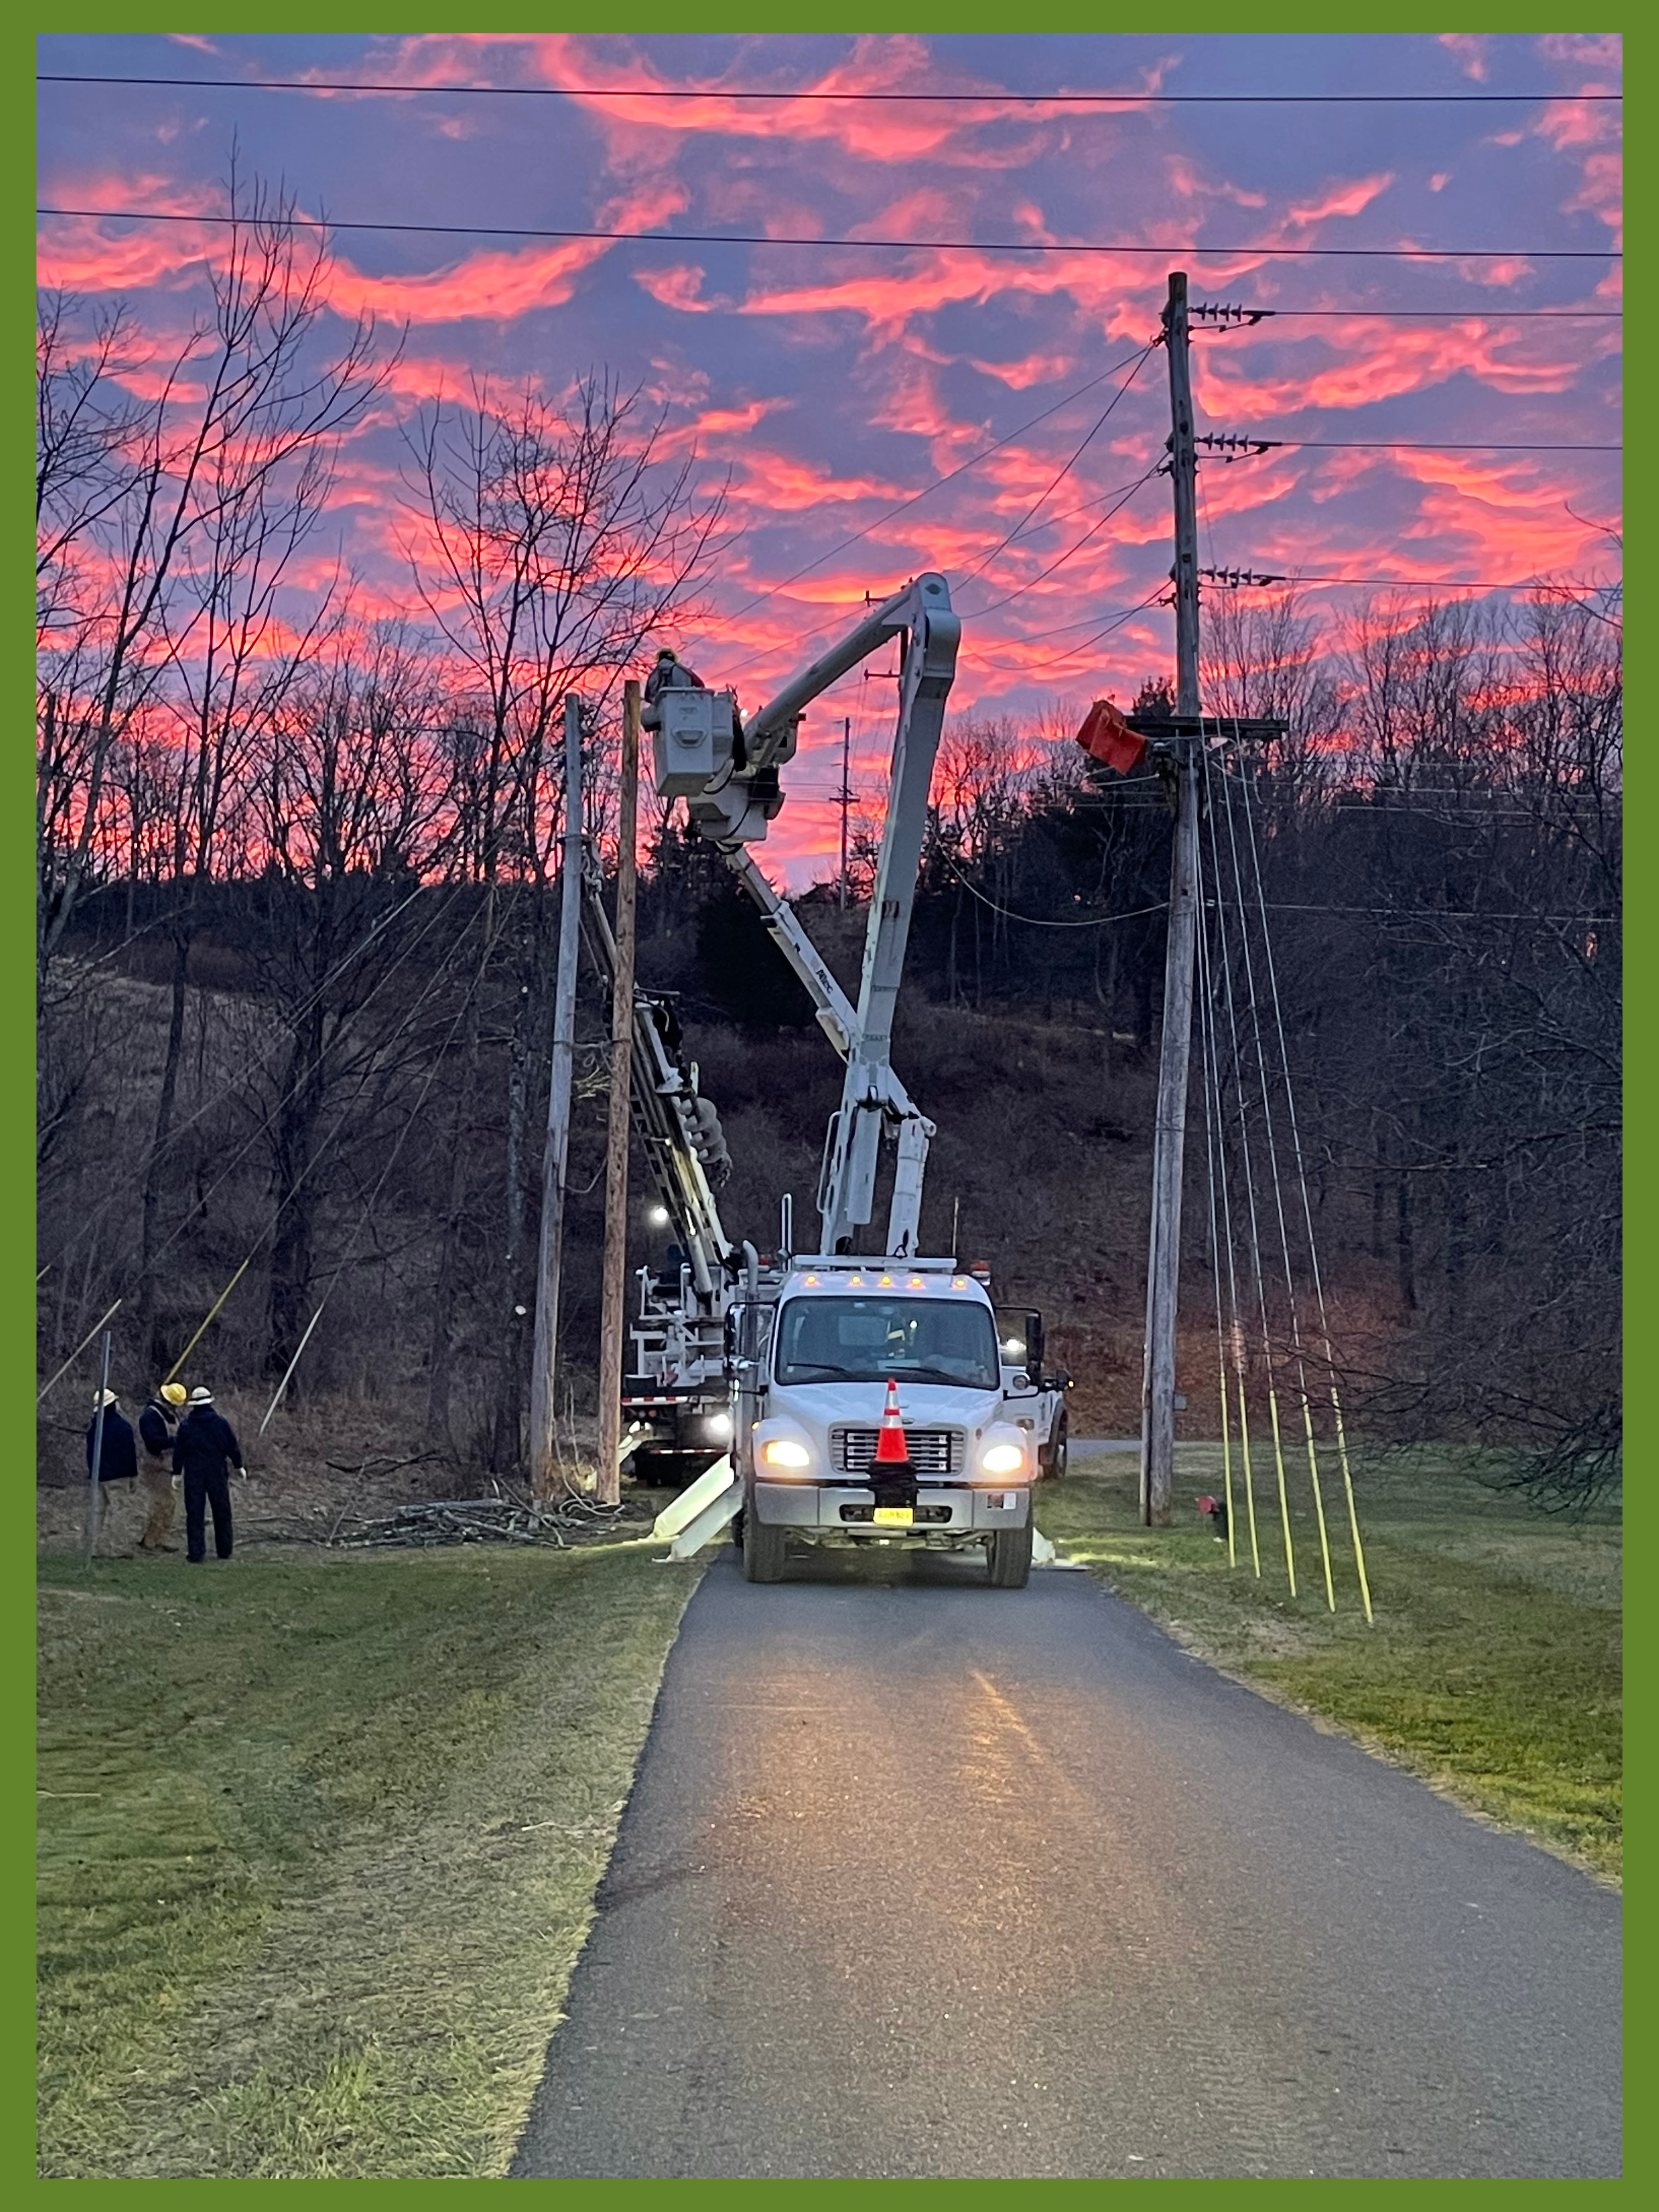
(440, 1356)
(155, 1352)
(1404, 1252)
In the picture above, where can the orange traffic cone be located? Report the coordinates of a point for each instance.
(891, 1448)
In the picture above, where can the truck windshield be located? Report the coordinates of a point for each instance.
(848, 1339)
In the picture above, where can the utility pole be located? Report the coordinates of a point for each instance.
(846, 799)
(550, 1245)
(613, 1315)
(1163, 1255)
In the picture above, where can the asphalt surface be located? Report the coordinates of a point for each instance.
(920, 1878)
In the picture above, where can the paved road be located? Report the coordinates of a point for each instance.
(923, 1879)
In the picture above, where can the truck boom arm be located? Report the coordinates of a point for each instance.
(873, 1100)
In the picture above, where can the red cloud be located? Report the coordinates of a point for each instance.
(676, 287)
(493, 286)
(1341, 200)
(1391, 358)
(1034, 368)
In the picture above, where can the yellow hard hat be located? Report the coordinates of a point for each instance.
(174, 1393)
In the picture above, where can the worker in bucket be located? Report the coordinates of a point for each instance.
(158, 1425)
(204, 1452)
(670, 674)
(117, 1452)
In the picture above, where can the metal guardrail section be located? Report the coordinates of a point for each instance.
(933, 1451)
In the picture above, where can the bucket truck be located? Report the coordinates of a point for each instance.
(808, 1351)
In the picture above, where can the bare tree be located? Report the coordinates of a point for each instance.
(548, 542)
(123, 486)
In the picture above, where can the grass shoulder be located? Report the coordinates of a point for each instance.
(1493, 1668)
(319, 1841)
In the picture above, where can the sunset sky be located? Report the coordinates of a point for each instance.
(828, 385)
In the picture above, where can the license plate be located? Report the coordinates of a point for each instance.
(892, 1516)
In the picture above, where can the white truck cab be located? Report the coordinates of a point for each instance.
(810, 1391)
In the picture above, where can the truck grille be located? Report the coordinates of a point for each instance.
(933, 1451)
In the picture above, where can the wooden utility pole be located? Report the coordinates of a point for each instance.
(1163, 1255)
(613, 1318)
(550, 1247)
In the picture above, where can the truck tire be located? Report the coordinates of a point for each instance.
(1054, 1451)
(763, 1548)
(1008, 1554)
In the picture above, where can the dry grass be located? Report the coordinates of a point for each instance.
(319, 1840)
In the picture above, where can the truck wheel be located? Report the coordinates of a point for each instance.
(1051, 1460)
(1009, 1551)
(763, 1548)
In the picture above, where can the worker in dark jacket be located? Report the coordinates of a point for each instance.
(117, 1452)
(158, 1425)
(204, 1452)
(670, 674)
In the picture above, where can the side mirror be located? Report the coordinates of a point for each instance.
(1033, 1343)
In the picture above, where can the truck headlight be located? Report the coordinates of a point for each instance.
(1002, 1458)
(718, 1425)
(784, 1454)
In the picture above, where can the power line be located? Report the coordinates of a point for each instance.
(1427, 446)
(1186, 246)
(996, 98)
(1456, 315)
(1037, 921)
(1094, 530)
(1399, 583)
(1055, 481)
(904, 505)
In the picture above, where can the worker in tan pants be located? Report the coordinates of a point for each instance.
(157, 1426)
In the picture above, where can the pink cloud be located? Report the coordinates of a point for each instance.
(1033, 369)
(1470, 51)
(1599, 50)
(493, 286)
(1383, 360)
(676, 287)
(1185, 180)
(1341, 200)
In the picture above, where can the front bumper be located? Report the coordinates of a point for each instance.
(947, 1514)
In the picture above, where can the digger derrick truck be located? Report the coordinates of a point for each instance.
(857, 1399)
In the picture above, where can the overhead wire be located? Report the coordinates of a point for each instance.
(1038, 921)
(976, 614)
(996, 97)
(1191, 247)
(1060, 474)
(962, 468)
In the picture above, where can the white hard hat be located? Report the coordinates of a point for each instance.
(102, 1398)
(200, 1396)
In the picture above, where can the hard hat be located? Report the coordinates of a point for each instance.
(102, 1398)
(198, 1396)
(667, 653)
(174, 1393)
